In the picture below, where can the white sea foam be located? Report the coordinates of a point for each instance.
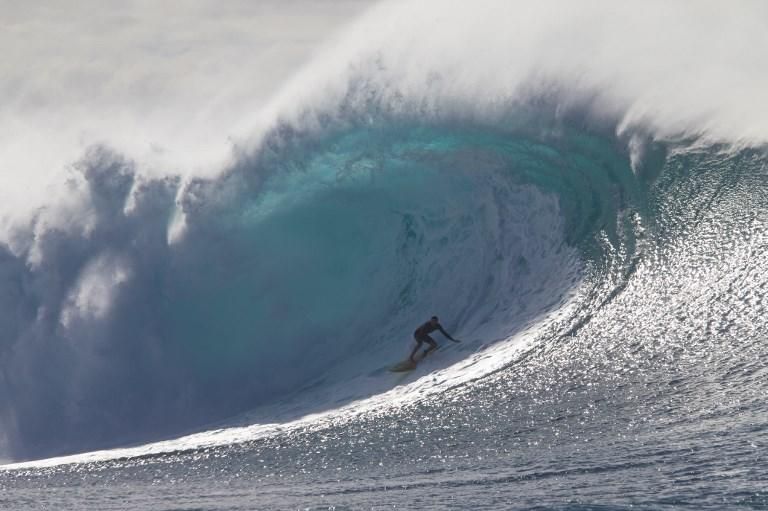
(177, 94)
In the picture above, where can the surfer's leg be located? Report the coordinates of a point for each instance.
(415, 349)
(432, 345)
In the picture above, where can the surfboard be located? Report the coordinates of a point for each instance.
(404, 366)
(408, 365)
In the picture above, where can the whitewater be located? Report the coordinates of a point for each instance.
(202, 293)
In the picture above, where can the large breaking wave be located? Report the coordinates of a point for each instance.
(159, 308)
(136, 308)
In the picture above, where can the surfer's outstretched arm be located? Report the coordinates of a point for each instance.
(442, 331)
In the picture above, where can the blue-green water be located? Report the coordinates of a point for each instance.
(611, 307)
(578, 189)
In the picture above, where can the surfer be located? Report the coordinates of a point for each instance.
(422, 335)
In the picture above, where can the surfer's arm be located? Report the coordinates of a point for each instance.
(442, 331)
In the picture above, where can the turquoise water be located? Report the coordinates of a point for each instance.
(638, 282)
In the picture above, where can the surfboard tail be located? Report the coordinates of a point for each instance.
(405, 365)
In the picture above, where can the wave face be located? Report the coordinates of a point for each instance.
(137, 308)
(310, 263)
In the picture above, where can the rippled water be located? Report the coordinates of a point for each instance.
(656, 401)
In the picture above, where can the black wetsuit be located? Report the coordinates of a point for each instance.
(422, 333)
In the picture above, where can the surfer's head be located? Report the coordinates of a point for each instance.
(434, 319)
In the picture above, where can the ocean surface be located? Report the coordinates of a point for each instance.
(223, 343)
